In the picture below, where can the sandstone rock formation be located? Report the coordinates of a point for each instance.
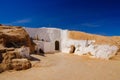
(20, 64)
(14, 37)
(1, 68)
(16, 64)
(15, 44)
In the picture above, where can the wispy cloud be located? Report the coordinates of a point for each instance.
(23, 21)
(26, 20)
(90, 25)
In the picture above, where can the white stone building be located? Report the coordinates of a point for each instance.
(52, 39)
(49, 39)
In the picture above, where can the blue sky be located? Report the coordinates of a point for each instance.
(92, 16)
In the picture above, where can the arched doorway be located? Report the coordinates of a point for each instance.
(56, 45)
(72, 49)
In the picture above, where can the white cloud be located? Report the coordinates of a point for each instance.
(23, 21)
(27, 20)
(90, 25)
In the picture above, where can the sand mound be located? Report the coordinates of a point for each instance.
(115, 40)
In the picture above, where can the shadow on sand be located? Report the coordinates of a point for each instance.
(34, 58)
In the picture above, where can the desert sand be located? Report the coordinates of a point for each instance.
(61, 66)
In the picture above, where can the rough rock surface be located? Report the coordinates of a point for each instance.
(15, 44)
(20, 64)
(8, 56)
(14, 37)
(16, 64)
(1, 68)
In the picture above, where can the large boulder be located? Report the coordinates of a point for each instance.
(14, 60)
(7, 59)
(20, 64)
(16, 64)
(8, 56)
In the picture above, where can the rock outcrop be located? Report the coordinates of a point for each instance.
(14, 37)
(15, 44)
(20, 64)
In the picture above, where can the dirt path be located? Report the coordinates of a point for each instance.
(61, 66)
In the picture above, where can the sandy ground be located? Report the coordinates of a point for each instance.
(61, 66)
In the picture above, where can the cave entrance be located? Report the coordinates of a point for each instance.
(56, 45)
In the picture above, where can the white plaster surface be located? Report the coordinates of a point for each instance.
(31, 31)
(47, 38)
(50, 35)
(88, 46)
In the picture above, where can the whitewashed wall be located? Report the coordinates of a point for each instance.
(87, 46)
(31, 31)
(48, 47)
(50, 35)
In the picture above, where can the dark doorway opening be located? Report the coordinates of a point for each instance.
(56, 45)
(72, 49)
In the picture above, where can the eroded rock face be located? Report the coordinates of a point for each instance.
(14, 60)
(20, 64)
(8, 56)
(16, 64)
(15, 44)
(15, 37)
(1, 68)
